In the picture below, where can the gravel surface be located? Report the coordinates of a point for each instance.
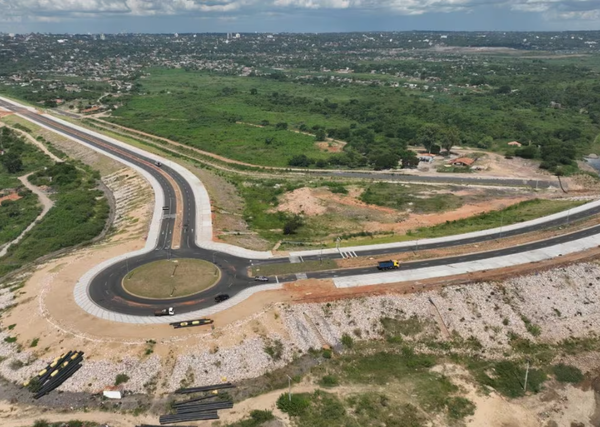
(548, 306)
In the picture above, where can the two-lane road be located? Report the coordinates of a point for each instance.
(106, 289)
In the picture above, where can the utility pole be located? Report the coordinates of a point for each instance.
(501, 221)
(526, 376)
(289, 388)
(568, 217)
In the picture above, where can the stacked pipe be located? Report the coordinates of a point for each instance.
(197, 408)
(191, 323)
(57, 372)
(205, 388)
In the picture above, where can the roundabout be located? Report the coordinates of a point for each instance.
(171, 279)
(181, 228)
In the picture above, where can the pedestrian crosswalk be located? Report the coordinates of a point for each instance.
(347, 254)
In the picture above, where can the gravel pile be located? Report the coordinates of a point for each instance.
(101, 374)
(247, 360)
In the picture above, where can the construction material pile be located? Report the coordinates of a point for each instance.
(56, 373)
(198, 408)
(191, 323)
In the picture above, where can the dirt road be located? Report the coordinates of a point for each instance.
(44, 200)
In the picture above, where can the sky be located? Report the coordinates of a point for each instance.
(198, 16)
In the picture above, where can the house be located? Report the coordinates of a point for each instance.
(426, 157)
(462, 162)
(514, 144)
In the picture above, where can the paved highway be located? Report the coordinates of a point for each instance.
(106, 290)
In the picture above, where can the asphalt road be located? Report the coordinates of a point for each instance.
(106, 289)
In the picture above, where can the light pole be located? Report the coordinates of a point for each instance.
(568, 217)
(526, 375)
(289, 388)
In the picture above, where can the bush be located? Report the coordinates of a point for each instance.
(34, 342)
(121, 379)
(329, 381)
(567, 374)
(327, 353)
(41, 423)
(347, 341)
(459, 407)
(10, 339)
(294, 407)
(261, 416)
(274, 349)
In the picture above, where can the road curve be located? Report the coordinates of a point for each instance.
(104, 288)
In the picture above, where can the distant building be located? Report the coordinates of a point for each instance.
(426, 157)
(462, 162)
(515, 144)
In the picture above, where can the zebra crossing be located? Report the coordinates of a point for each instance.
(347, 254)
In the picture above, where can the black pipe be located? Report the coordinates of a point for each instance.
(196, 399)
(190, 409)
(61, 376)
(205, 388)
(56, 384)
(169, 419)
(45, 376)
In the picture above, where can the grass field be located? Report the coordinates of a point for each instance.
(171, 279)
(211, 124)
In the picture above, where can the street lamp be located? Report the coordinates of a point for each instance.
(289, 388)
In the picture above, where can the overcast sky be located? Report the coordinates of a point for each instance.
(168, 16)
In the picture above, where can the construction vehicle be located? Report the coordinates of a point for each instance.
(388, 265)
(165, 312)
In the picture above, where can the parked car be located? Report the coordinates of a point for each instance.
(221, 298)
(261, 278)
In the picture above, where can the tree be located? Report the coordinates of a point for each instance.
(386, 161)
(320, 135)
(253, 91)
(292, 225)
(428, 136)
(450, 138)
(300, 160)
(281, 126)
(409, 159)
(12, 163)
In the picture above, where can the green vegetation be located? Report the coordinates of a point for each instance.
(257, 419)
(329, 381)
(121, 379)
(72, 423)
(567, 374)
(377, 122)
(508, 377)
(403, 197)
(10, 339)
(34, 342)
(79, 214)
(519, 212)
(274, 349)
(19, 158)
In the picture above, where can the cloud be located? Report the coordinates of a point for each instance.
(50, 10)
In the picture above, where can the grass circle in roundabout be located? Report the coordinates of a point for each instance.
(169, 279)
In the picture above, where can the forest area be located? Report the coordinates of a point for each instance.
(552, 109)
(80, 210)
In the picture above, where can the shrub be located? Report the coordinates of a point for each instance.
(274, 349)
(16, 364)
(261, 416)
(41, 423)
(295, 406)
(34, 342)
(567, 374)
(121, 379)
(329, 381)
(10, 339)
(459, 407)
(347, 341)
(327, 353)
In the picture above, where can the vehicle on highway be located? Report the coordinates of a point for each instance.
(221, 298)
(159, 164)
(165, 312)
(388, 265)
(261, 278)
